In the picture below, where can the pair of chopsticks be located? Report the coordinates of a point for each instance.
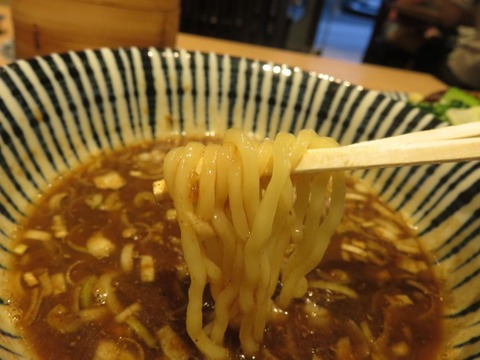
(448, 144)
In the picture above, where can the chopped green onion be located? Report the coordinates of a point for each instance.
(62, 320)
(147, 268)
(106, 350)
(127, 312)
(172, 345)
(141, 331)
(39, 235)
(46, 284)
(126, 257)
(86, 293)
(30, 279)
(58, 283)
(20, 249)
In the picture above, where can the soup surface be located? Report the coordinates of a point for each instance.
(99, 274)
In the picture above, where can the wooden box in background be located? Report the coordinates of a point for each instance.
(43, 27)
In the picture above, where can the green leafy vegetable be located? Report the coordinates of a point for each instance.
(453, 98)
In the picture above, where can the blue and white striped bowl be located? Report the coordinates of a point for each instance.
(56, 111)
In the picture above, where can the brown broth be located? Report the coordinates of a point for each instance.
(376, 295)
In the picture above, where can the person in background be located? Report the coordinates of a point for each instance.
(456, 63)
(463, 63)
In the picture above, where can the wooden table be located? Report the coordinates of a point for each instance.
(366, 75)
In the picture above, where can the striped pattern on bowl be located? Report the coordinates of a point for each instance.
(56, 111)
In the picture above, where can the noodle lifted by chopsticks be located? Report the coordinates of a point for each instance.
(243, 232)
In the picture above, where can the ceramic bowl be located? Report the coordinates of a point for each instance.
(56, 111)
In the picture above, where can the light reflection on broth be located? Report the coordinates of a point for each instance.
(100, 271)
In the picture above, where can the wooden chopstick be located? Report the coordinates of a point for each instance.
(448, 144)
(389, 155)
(445, 133)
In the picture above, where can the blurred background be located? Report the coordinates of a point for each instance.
(340, 29)
(358, 31)
(428, 36)
(333, 28)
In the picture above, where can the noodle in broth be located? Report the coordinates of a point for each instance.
(100, 271)
(236, 228)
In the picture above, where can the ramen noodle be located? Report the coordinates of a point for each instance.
(100, 270)
(237, 227)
